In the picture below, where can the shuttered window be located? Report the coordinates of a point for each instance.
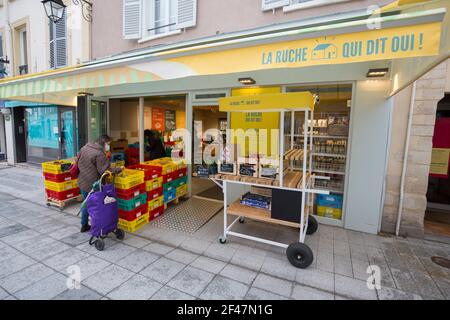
(2, 65)
(144, 18)
(58, 43)
(272, 4)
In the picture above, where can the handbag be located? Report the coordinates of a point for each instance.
(74, 170)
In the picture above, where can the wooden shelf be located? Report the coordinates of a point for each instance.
(334, 155)
(238, 209)
(327, 171)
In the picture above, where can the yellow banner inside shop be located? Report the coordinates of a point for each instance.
(252, 128)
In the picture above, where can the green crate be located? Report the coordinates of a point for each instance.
(131, 204)
(168, 187)
(180, 182)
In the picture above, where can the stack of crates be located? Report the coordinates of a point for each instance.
(329, 206)
(153, 185)
(60, 185)
(131, 199)
(174, 178)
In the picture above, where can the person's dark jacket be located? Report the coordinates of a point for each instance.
(92, 163)
(156, 148)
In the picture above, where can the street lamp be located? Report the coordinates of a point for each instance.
(54, 9)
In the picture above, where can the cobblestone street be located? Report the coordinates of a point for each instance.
(38, 244)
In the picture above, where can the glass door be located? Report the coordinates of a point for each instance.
(67, 137)
(97, 117)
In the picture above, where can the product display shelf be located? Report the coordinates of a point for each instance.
(302, 181)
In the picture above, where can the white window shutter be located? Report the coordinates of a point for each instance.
(187, 13)
(132, 19)
(272, 4)
(58, 43)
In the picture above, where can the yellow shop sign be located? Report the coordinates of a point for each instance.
(378, 44)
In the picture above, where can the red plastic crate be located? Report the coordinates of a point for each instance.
(132, 161)
(132, 152)
(133, 214)
(127, 194)
(58, 177)
(155, 213)
(155, 193)
(63, 195)
(150, 172)
(174, 175)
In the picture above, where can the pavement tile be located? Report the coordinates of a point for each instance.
(195, 245)
(221, 288)
(316, 278)
(14, 264)
(181, 256)
(307, 293)
(84, 293)
(191, 281)
(386, 293)
(168, 293)
(115, 252)
(343, 266)
(76, 239)
(162, 270)
(137, 260)
(239, 274)
(360, 269)
(136, 242)
(279, 267)
(158, 248)
(3, 294)
(108, 279)
(20, 236)
(404, 281)
(91, 265)
(136, 288)
(64, 259)
(13, 229)
(25, 277)
(63, 232)
(275, 285)
(325, 262)
(44, 289)
(444, 286)
(248, 260)
(208, 264)
(258, 294)
(86, 247)
(220, 252)
(7, 252)
(353, 288)
(48, 251)
(426, 285)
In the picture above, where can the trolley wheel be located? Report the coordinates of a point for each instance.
(299, 255)
(119, 234)
(222, 240)
(241, 220)
(48, 204)
(312, 225)
(99, 244)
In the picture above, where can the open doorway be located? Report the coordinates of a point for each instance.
(437, 216)
(209, 126)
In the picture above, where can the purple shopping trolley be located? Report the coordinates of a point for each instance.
(103, 212)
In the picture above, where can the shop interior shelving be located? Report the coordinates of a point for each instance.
(289, 178)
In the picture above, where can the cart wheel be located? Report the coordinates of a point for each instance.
(299, 255)
(48, 204)
(119, 234)
(99, 244)
(312, 225)
(222, 240)
(241, 220)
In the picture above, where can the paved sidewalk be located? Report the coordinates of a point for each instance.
(38, 244)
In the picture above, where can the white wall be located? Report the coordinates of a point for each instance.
(366, 167)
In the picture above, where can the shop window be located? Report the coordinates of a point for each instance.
(2, 65)
(58, 43)
(23, 51)
(330, 143)
(150, 19)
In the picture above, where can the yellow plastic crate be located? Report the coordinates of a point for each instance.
(181, 164)
(166, 164)
(61, 186)
(55, 166)
(154, 184)
(329, 212)
(128, 179)
(132, 226)
(181, 190)
(155, 203)
(118, 164)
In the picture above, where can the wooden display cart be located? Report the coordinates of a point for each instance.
(289, 179)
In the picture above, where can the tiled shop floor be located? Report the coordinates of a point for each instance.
(39, 244)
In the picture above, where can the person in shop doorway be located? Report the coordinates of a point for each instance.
(154, 145)
(92, 163)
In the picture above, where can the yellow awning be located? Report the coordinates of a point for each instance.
(270, 102)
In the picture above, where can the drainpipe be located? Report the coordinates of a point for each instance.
(405, 159)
